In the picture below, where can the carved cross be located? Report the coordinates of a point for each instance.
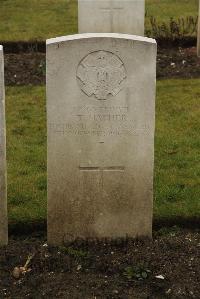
(112, 9)
(102, 170)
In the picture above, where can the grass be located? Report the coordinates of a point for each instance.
(36, 19)
(177, 156)
(25, 20)
(26, 153)
(163, 10)
(177, 171)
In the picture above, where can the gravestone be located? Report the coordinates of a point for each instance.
(100, 114)
(118, 16)
(3, 193)
(198, 34)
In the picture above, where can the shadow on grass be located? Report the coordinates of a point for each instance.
(39, 228)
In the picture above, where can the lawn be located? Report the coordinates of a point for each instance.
(25, 20)
(177, 156)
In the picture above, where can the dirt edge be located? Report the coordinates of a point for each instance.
(40, 46)
(40, 227)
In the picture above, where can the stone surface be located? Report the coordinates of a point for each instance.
(100, 113)
(198, 34)
(3, 191)
(118, 16)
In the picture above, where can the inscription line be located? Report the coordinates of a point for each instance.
(109, 168)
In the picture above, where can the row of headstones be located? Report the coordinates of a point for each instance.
(108, 16)
(100, 115)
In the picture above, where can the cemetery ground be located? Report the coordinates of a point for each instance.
(167, 266)
(176, 151)
(120, 269)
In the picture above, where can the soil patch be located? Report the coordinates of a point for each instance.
(40, 46)
(25, 69)
(120, 269)
(29, 68)
(178, 63)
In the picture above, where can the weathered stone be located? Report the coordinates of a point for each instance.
(198, 34)
(117, 16)
(100, 113)
(3, 191)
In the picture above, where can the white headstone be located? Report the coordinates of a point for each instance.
(3, 191)
(100, 113)
(198, 34)
(118, 16)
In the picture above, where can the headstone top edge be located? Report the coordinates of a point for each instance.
(99, 35)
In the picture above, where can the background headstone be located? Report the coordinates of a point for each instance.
(100, 113)
(118, 16)
(198, 34)
(3, 191)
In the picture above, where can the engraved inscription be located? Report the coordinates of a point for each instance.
(100, 121)
(80, 129)
(101, 74)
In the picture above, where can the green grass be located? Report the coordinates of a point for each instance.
(36, 19)
(177, 163)
(41, 19)
(177, 156)
(162, 10)
(26, 153)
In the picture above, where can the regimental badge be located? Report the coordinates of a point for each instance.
(101, 74)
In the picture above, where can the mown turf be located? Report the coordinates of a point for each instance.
(26, 144)
(162, 10)
(177, 155)
(41, 19)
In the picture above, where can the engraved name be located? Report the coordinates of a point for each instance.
(102, 117)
